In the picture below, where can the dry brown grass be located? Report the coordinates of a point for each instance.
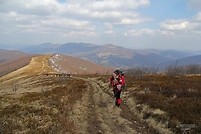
(41, 103)
(179, 97)
(165, 102)
(42, 112)
(75, 65)
(37, 65)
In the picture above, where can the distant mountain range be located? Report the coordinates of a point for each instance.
(191, 60)
(116, 56)
(107, 55)
(13, 60)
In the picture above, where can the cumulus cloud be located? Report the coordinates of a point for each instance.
(41, 17)
(70, 15)
(140, 32)
(179, 27)
(96, 20)
(170, 28)
(198, 17)
(133, 20)
(15, 22)
(188, 26)
(35, 7)
(102, 5)
(60, 19)
(115, 11)
(117, 4)
(176, 25)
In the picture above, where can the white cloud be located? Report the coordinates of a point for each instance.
(187, 26)
(140, 32)
(108, 5)
(175, 25)
(198, 17)
(79, 33)
(71, 16)
(132, 21)
(117, 4)
(118, 12)
(14, 22)
(171, 28)
(149, 32)
(67, 23)
(106, 14)
(164, 32)
(36, 7)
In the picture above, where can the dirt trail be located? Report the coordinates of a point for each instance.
(96, 113)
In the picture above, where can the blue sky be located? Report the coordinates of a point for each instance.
(138, 24)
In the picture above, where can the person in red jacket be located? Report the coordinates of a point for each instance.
(117, 82)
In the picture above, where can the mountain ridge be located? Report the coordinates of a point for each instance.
(111, 55)
(13, 60)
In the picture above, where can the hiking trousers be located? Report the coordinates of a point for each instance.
(117, 94)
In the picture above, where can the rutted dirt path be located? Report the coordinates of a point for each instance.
(96, 113)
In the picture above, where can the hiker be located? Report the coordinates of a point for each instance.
(117, 81)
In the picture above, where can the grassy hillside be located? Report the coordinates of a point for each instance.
(14, 65)
(177, 100)
(45, 111)
(11, 60)
(35, 103)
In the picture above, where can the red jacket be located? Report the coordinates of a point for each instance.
(116, 81)
(122, 80)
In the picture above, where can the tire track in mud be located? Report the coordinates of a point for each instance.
(95, 113)
(93, 122)
(109, 116)
(83, 114)
(127, 113)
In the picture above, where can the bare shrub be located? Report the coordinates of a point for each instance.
(193, 69)
(174, 70)
(152, 70)
(135, 71)
(142, 70)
